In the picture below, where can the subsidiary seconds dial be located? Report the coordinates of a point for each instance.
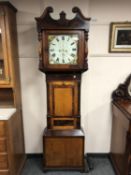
(63, 49)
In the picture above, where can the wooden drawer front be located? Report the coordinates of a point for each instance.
(3, 161)
(4, 172)
(2, 129)
(120, 147)
(3, 146)
(64, 152)
(63, 123)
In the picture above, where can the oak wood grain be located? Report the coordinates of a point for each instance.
(10, 92)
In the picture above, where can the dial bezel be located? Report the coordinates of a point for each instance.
(80, 52)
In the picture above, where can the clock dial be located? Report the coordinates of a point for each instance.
(63, 49)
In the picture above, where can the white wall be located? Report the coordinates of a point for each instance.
(32, 80)
(105, 72)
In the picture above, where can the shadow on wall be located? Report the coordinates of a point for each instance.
(27, 41)
(98, 121)
(34, 103)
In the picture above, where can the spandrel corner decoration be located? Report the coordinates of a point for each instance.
(120, 37)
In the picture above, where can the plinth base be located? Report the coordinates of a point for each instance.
(63, 149)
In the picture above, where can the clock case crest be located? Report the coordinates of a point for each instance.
(123, 91)
(63, 139)
(47, 25)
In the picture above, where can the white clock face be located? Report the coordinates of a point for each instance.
(63, 49)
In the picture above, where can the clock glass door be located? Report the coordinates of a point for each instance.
(4, 70)
(63, 49)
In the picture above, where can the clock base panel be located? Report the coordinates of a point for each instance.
(63, 149)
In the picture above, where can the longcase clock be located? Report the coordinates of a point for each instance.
(63, 57)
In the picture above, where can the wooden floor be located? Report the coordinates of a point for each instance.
(102, 166)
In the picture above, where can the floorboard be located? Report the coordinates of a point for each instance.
(102, 166)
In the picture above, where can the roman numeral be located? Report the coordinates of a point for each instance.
(73, 55)
(57, 59)
(63, 38)
(72, 43)
(53, 55)
(74, 49)
(68, 38)
(57, 39)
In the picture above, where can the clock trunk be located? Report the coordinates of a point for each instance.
(63, 96)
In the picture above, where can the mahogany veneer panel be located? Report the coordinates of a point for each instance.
(64, 149)
(63, 98)
(11, 146)
(60, 133)
(6, 97)
(121, 137)
(3, 145)
(3, 161)
(63, 101)
(4, 173)
(2, 129)
(61, 152)
(125, 107)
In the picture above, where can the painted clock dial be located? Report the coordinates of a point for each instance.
(63, 49)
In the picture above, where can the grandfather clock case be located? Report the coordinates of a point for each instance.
(63, 58)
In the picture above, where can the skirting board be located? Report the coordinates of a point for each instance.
(95, 155)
